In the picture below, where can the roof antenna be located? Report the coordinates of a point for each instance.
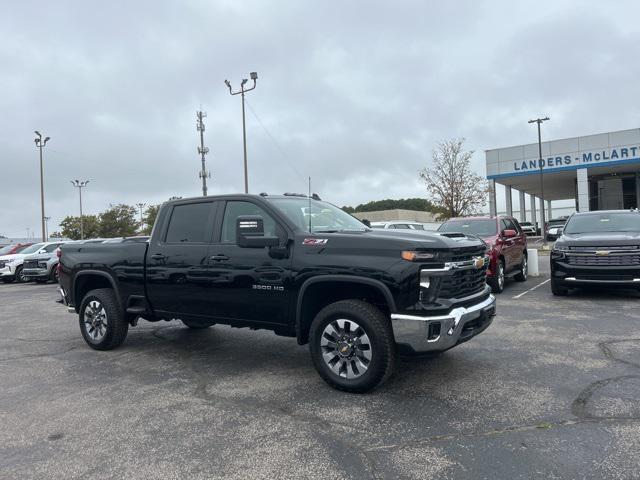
(309, 197)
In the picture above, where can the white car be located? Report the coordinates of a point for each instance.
(11, 265)
(404, 224)
(528, 228)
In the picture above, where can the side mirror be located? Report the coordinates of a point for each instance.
(250, 233)
(509, 233)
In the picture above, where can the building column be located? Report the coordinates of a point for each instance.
(492, 198)
(523, 208)
(508, 200)
(534, 219)
(549, 212)
(583, 190)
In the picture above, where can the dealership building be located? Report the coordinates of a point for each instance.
(597, 172)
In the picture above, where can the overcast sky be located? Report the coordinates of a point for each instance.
(354, 94)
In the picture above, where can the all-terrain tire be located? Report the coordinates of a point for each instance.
(371, 324)
(96, 305)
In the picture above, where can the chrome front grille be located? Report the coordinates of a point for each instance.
(463, 283)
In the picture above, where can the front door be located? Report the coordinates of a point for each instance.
(250, 284)
(178, 265)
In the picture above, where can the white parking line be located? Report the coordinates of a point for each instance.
(532, 288)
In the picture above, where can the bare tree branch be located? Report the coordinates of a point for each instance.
(451, 183)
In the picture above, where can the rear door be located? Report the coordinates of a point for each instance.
(178, 271)
(508, 244)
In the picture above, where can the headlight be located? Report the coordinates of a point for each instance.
(560, 248)
(417, 255)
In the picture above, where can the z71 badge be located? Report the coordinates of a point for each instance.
(315, 241)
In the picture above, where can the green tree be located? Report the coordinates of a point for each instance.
(149, 218)
(118, 221)
(451, 183)
(70, 227)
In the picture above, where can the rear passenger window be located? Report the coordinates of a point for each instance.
(188, 223)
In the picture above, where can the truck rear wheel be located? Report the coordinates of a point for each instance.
(352, 346)
(102, 322)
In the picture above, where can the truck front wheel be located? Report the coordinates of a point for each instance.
(352, 346)
(102, 322)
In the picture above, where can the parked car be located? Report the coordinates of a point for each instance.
(506, 244)
(600, 248)
(528, 228)
(42, 267)
(399, 224)
(555, 227)
(11, 266)
(295, 265)
(13, 248)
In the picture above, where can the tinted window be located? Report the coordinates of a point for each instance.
(236, 209)
(604, 222)
(480, 226)
(402, 225)
(189, 223)
(509, 225)
(51, 248)
(418, 227)
(32, 249)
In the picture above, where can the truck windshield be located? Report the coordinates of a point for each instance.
(316, 216)
(482, 227)
(604, 222)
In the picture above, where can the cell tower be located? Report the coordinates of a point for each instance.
(202, 150)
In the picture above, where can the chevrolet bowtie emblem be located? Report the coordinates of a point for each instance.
(478, 262)
(602, 252)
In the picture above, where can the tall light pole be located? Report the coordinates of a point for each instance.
(242, 91)
(140, 207)
(80, 185)
(40, 143)
(542, 213)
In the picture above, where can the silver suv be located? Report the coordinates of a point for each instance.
(41, 266)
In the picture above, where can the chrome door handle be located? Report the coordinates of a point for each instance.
(219, 258)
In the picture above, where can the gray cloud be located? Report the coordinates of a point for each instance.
(355, 94)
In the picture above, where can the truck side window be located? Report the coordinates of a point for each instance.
(235, 209)
(188, 223)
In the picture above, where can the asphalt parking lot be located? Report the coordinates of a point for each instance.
(550, 390)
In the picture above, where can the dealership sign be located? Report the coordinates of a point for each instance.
(584, 159)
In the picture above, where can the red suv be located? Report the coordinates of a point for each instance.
(506, 241)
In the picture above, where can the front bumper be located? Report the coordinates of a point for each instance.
(418, 334)
(36, 273)
(7, 272)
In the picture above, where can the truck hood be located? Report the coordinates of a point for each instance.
(398, 240)
(600, 239)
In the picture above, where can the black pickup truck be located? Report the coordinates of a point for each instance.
(292, 264)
